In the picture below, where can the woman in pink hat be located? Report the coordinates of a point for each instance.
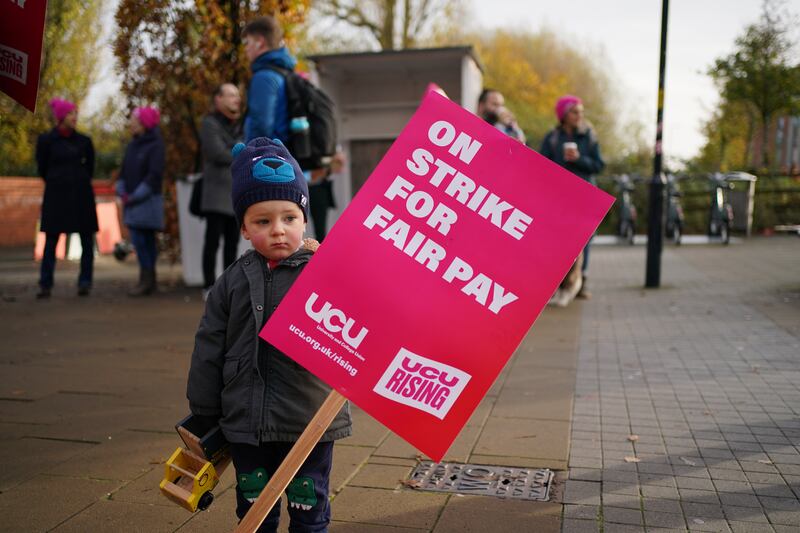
(65, 160)
(573, 145)
(139, 187)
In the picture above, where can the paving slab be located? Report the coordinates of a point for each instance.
(54, 498)
(409, 508)
(470, 514)
(704, 370)
(125, 516)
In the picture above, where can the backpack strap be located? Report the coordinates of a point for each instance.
(292, 95)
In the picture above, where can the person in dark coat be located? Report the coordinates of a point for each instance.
(219, 132)
(573, 145)
(139, 187)
(65, 159)
(320, 193)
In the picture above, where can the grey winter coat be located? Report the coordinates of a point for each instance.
(257, 393)
(218, 135)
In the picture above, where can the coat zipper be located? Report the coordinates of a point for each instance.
(267, 304)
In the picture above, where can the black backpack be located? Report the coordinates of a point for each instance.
(312, 143)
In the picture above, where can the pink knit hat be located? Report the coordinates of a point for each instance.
(61, 108)
(148, 116)
(564, 104)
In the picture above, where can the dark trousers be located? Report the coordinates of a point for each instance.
(49, 260)
(144, 241)
(585, 265)
(309, 510)
(219, 225)
(320, 201)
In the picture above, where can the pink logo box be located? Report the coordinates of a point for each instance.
(435, 272)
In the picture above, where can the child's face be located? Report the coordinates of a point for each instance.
(274, 227)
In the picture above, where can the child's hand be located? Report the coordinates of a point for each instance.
(310, 244)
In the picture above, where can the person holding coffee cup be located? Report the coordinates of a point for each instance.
(573, 145)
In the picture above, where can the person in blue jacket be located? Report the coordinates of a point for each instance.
(139, 187)
(267, 104)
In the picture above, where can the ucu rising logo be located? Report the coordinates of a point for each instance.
(335, 321)
(422, 383)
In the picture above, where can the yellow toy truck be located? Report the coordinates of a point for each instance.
(191, 473)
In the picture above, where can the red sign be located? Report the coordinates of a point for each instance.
(433, 275)
(21, 36)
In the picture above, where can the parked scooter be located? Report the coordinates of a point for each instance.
(626, 228)
(720, 216)
(674, 226)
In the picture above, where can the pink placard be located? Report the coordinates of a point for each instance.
(435, 272)
(21, 39)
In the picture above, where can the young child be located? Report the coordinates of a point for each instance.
(261, 398)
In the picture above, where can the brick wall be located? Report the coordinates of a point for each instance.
(20, 205)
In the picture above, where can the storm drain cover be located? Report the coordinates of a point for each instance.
(483, 480)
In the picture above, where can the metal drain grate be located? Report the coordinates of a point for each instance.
(483, 480)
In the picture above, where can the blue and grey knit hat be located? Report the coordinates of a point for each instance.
(264, 170)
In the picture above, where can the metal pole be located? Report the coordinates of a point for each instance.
(655, 226)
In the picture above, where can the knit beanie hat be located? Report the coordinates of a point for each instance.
(61, 108)
(265, 170)
(148, 116)
(564, 104)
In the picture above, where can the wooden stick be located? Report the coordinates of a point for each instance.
(292, 463)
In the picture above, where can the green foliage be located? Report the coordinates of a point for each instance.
(728, 132)
(533, 69)
(71, 49)
(758, 81)
(173, 54)
(107, 128)
(776, 201)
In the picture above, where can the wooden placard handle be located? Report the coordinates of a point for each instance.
(291, 464)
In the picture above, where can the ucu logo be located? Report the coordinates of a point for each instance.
(422, 383)
(335, 321)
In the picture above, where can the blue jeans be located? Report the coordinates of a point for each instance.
(309, 487)
(49, 260)
(144, 241)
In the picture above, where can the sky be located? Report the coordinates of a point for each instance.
(628, 32)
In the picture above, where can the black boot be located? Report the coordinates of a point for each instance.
(150, 281)
(141, 288)
(43, 294)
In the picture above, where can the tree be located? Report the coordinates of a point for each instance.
(533, 69)
(391, 24)
(759, 73)
(71, 48)
(173, 54)
(728, 133)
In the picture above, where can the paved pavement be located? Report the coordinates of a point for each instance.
(687, 410)
(704, 371)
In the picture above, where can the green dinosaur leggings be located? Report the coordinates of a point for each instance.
(307, 494)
